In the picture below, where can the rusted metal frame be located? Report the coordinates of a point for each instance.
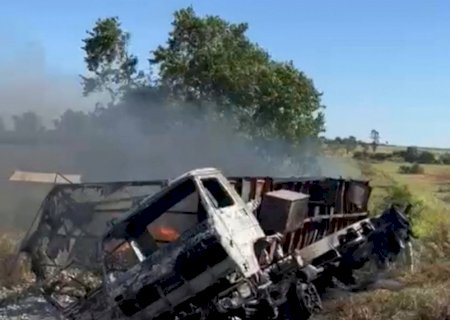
(314, 229)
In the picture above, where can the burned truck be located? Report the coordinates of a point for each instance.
(204, 246)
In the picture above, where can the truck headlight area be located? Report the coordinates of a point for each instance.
(244, 290)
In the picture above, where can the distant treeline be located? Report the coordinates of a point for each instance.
(411, 155)
(28, 128)
(363, 150)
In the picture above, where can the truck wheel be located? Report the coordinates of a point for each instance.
(309, 298)
(303, 301)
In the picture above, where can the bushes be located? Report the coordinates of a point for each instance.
(359, 155)
(377, 156)
(400, 195)
(412, 169)
(426, 157)
(411, 155)
(445, 158)
(381, 156)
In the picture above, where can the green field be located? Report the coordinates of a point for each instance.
(425, 293)
(433, 185)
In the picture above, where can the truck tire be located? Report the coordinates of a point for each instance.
(303, 301)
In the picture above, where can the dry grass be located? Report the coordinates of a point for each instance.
(14, 270)
(426, 294)
(426, 297)
(427, 302)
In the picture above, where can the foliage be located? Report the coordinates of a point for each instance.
(380, 156)
(27, 126)
(359, 155)
(426, 157)
(376, 156)
(350, 144)
(114, 69)
(400, 195)
(445, 158)
(73, 123)
(411, 154)
(412, 169)
(211, 62)
(423, 294)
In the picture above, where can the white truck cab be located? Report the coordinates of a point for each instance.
(166, 236)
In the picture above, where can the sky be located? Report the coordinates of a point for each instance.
(381, 65)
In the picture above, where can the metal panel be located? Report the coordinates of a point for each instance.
(42, 177)
(283, 210)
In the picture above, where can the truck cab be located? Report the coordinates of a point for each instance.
(178, 244)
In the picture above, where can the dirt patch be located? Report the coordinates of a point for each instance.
(441, 177)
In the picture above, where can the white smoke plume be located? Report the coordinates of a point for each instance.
(124, 152)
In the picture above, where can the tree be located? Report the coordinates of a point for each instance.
(365, 147)
(426, 157)
(412, 154)
(113, 69)
(28, 124)
(338, 140)
(210, 62)
(73, 123)
(375, 136)
(350, 144)
(445, 158)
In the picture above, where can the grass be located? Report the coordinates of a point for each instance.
(432, 186)
(426, 295)
(425, 302)
(14, 269)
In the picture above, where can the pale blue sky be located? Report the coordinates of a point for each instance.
(381, 64)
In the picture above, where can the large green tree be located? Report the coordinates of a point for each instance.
(207, 59)
(112, 68)
(207, 64)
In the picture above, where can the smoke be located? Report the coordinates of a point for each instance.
(27, 84)
(128, 148)
(129, 153)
